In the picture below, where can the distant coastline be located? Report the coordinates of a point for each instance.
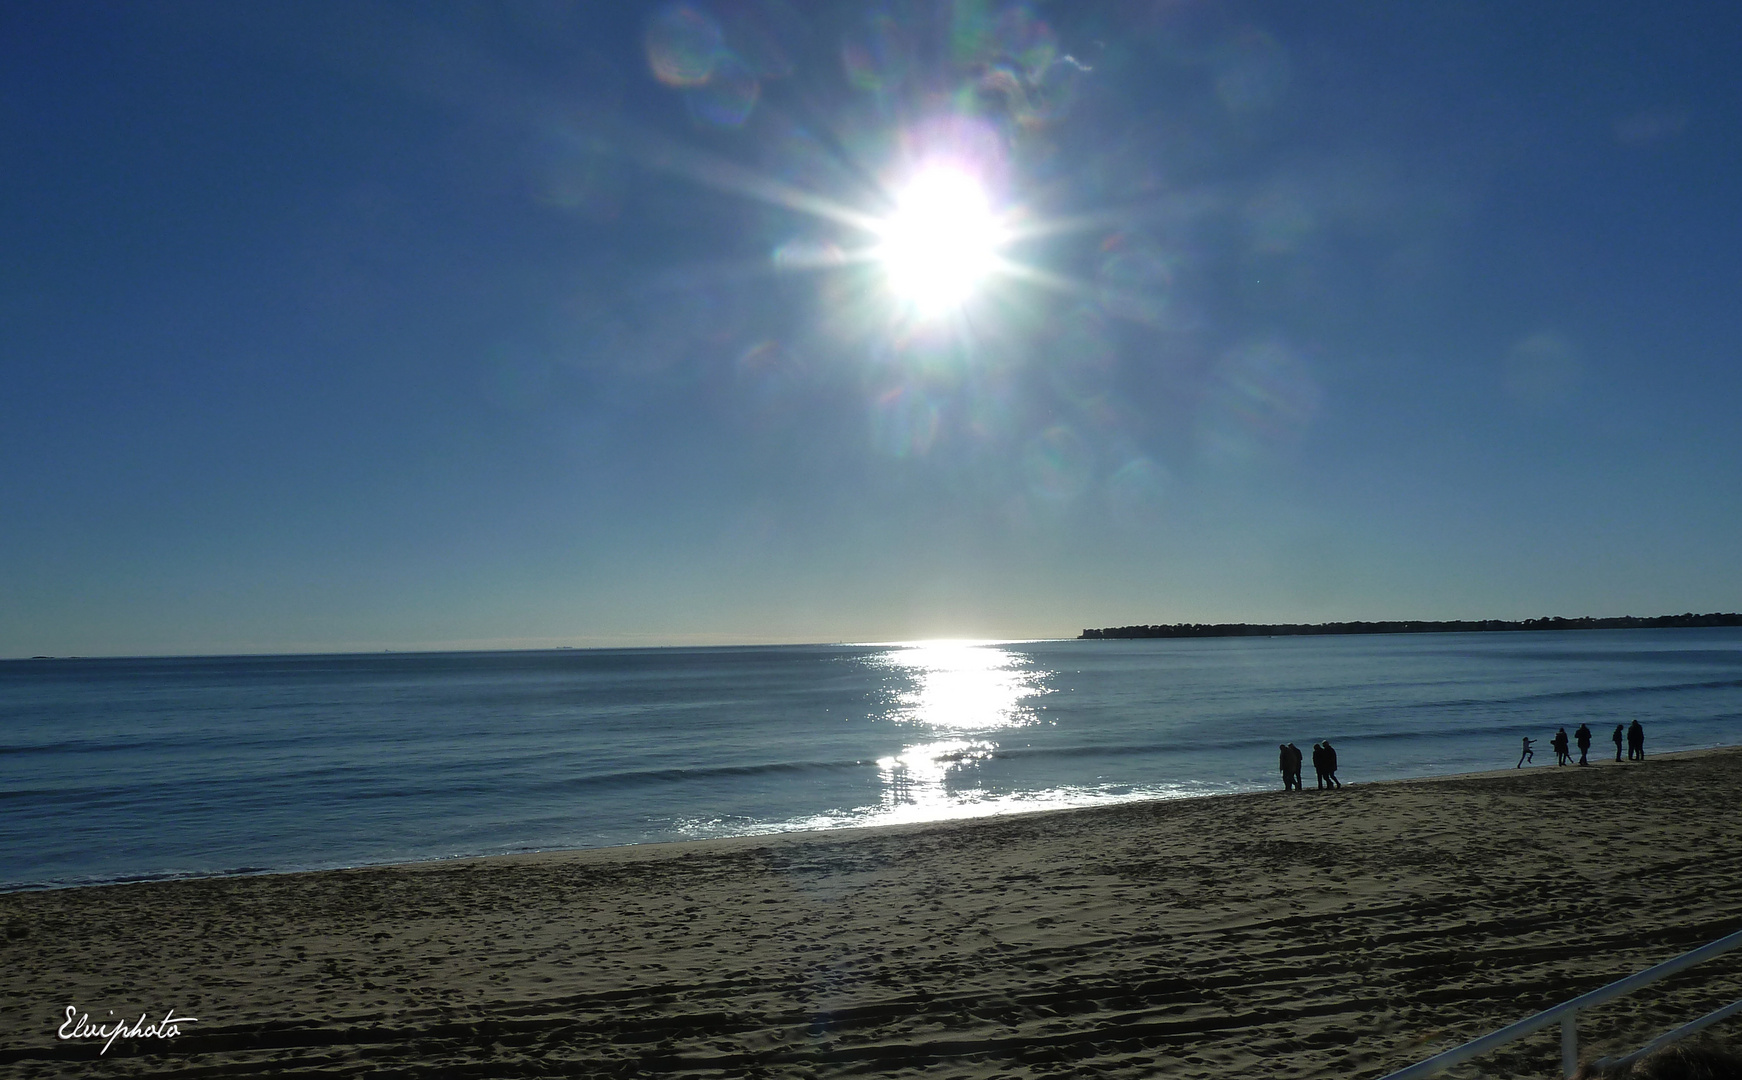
(1412, 626)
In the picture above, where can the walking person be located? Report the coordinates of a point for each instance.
(1295, 754)
(1331, 764)
(1530, 755)
(1583, 738)
(1635, 742)
(1319, 763)
(1562, 752)
(1619, 729)
(1287, 763)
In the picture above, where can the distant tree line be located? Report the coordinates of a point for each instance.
(1412, 626)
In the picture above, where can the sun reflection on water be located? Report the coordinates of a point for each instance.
(964, 686)
(963, 690)
(960, 723)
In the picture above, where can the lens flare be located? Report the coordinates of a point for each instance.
(683, 46)
(941, 240)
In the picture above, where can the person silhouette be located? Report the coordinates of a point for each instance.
(1295, 754)
(1319, 763)
(1562, 753)
(1635, 742)
(1331, 764)
(1286, 761)
(1529, 754)
(1583, 738)
(1619, 728)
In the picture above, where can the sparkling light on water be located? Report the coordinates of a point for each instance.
(965, 686)
(959, 688)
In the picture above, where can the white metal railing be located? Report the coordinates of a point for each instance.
(1567, 1013)
(1671, 1036)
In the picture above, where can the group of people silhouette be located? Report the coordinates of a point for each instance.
(1633, 734)
(1324, 763)
(1325, 756)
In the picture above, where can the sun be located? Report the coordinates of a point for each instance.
(941, 240)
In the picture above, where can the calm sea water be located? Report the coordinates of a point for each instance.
(138, 768)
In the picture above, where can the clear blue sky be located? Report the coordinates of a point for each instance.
(379, 325)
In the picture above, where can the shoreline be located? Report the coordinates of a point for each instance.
(1211, 937)
(849, 833)
(776, 834)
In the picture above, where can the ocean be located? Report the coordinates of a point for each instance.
(145, 768)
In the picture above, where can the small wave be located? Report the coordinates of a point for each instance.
(1632, 656)
(1059, 798)
(1583, 693)
(77, 746)
(705, 772)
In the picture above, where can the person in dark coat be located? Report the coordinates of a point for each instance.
(1583, 738)
(1562, 752)
(1319, 763)
(1286, 761)
(1635, 742)
(1294, 752)
(1331, 765)
(1619, 729)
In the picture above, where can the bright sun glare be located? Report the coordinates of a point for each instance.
(941, 240)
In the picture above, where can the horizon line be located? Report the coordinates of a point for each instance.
(433, 649)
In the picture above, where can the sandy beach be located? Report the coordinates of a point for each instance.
(1307, 934)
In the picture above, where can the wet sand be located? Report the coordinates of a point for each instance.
(1337, 934)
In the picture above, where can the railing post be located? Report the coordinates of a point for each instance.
(1570, 1042)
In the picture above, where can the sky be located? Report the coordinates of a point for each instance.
(358, 326)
